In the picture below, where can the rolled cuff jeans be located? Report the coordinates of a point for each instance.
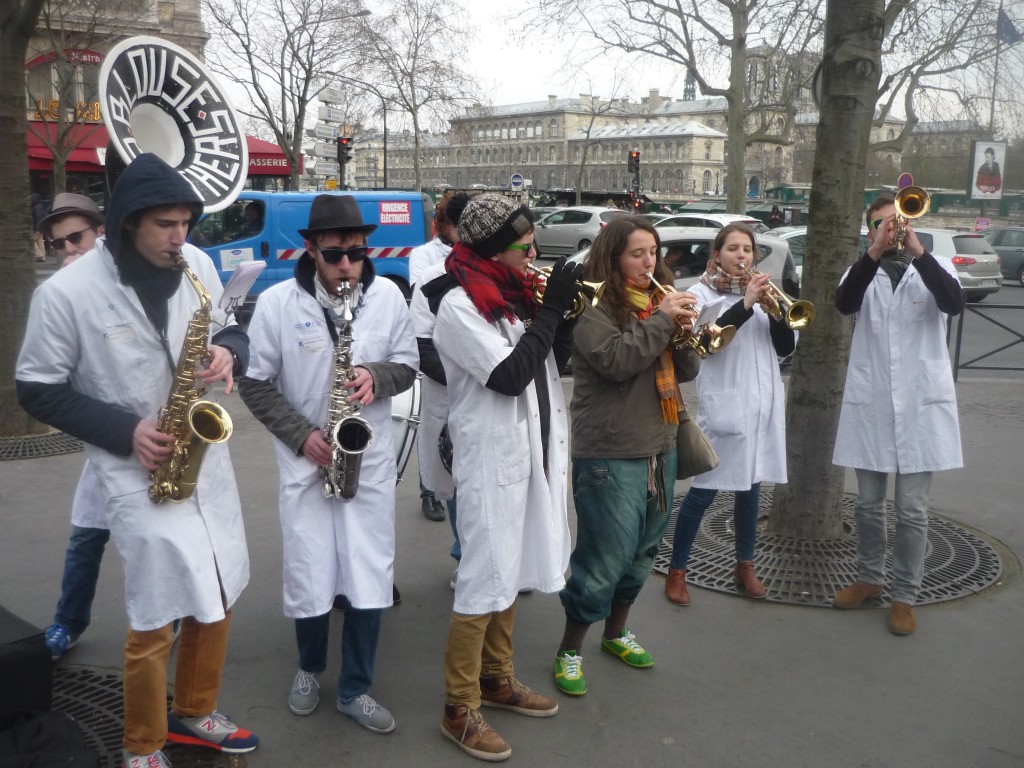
(81, 572)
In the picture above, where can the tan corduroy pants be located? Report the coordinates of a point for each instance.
(477, 646)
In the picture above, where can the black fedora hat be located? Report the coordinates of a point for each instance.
(330, 212)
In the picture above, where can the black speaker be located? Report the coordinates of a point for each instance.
(26, 669)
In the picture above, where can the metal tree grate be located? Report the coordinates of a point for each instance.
(38, 446)
(93, 697)
(957, 562)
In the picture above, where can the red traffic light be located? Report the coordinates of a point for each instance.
(634, 161)
(344, 149)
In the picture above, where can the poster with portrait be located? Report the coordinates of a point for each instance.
(985, 180)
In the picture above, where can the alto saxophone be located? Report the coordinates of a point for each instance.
(348, 433)
(193, 423)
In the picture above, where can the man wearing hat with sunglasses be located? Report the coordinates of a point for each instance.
(72, 226)
(333, 546)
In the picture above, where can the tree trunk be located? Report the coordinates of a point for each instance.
(736, 200)
(809, 507)
(17, 262)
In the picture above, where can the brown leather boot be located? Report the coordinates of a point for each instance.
(855, 595)
(510, 693)
(467, 728)
(901, 618)
(748, 581)
(675, 587)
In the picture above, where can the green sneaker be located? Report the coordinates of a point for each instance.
(628, 649)
(569, 674)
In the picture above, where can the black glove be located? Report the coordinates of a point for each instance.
(563, 286)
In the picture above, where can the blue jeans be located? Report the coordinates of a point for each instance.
(908, 550)
(359, 634)
(456, 550)
(619, 526)
(81, 572)
(691, 511)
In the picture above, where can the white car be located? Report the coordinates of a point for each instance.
(976, 261)
(569, 230)
(686, 251)
(715, 220)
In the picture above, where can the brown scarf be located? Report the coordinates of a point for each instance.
(717, 279)
(664, 369)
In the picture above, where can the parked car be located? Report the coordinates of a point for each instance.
(541, 211)
(569, 230)
(1008, 242)
(797, 238)
(716, 220)
(686, 251)
(976, 262)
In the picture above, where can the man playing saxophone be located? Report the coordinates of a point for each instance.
(310, 338)
(99, 359)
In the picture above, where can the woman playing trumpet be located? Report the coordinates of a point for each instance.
(741, 411)
(625, 410)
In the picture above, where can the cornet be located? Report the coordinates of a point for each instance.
(911, 203)
(706, 339)
(797, 314)
(591, 292)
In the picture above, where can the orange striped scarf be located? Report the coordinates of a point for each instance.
(664, 368)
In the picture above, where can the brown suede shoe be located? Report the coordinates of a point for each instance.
(467, 728)
(855, 595)
(901, 618)
(675, 587)
(748, 581)
(509, 693)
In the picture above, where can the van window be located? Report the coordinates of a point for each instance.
(239, 221)
(972, 244)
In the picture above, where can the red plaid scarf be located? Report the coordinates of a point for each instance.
(493, 288)
(718, 280)
(664, 368)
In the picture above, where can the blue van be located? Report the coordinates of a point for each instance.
(265, 225)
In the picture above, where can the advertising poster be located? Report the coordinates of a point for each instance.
(985, 180)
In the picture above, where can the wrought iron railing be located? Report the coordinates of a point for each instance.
(982, 312)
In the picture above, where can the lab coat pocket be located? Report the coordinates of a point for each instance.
(858, 389)
(510, 447)
(937, 382)
(723, 412)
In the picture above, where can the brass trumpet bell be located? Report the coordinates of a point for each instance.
(590, 292)
(708, 339)
(912, 202)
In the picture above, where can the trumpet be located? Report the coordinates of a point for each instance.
(590, 294)
(797, 314)
(911, 203)
(708, 338)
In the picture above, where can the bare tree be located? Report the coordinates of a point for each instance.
(18, 20)
(65, 30)
(809, 505)
(416, 47)
(694, 35)
(594, 108)
(282, 53)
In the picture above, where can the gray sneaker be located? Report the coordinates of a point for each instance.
(368, 713)
(305, 693)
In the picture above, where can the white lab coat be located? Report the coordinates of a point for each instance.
(87, 327)
(434, 397)
(425, 256)
(332, 546)
(899, 404)
(89, 508)
(512, 515)
(741, 405)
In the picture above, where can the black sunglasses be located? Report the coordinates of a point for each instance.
(74, 238)
(335, 255)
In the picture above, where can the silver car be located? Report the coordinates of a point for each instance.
(569, 230)
(715, 220)
(976, 262)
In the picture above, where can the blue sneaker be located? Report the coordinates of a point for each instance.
(213, 730)
(60, 640)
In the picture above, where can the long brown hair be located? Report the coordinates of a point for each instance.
(727, 230)
(602, 264)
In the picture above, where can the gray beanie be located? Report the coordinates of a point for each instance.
(491, 223)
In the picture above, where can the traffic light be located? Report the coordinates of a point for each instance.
(344, 150)
(634, 161)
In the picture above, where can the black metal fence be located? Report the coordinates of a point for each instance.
(983, 312)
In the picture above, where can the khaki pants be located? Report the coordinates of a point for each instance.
(478, 646)
(201, 651)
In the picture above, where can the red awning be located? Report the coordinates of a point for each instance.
(90, 140)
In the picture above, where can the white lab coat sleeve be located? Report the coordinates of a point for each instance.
(51, 349)
(462, 333)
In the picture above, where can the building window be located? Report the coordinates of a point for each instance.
(706, 187)
(576, 155)
(553, 129)
(553, 154)
(707, 150)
